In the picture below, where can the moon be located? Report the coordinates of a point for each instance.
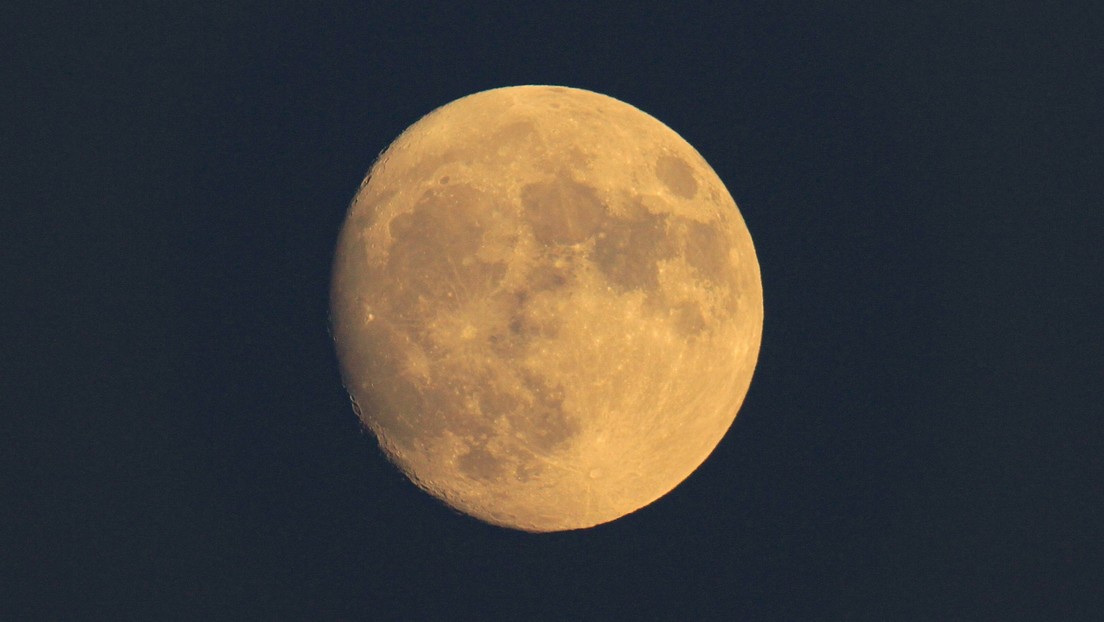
(546, 306)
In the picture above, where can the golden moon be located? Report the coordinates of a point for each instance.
(546, 306)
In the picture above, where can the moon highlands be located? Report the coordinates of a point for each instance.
(546, 306)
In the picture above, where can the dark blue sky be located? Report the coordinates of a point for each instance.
(922, 439)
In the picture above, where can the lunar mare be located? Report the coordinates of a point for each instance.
(546, 306)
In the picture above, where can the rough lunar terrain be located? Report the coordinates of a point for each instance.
(546, 306)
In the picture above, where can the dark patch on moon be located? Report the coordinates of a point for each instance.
(527, 470)
(480, 464)
(688, 318)
(433, 251)
(544, 425)
(628, 249)
(526, 324)
(562, 211)
(677, 176)
(706, 250)
(547, 276)
(516, 325)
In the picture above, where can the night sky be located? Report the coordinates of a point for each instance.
(922, 439)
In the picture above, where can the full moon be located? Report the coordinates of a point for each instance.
(546, 306)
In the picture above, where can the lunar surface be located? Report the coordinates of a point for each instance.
(546, 306)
